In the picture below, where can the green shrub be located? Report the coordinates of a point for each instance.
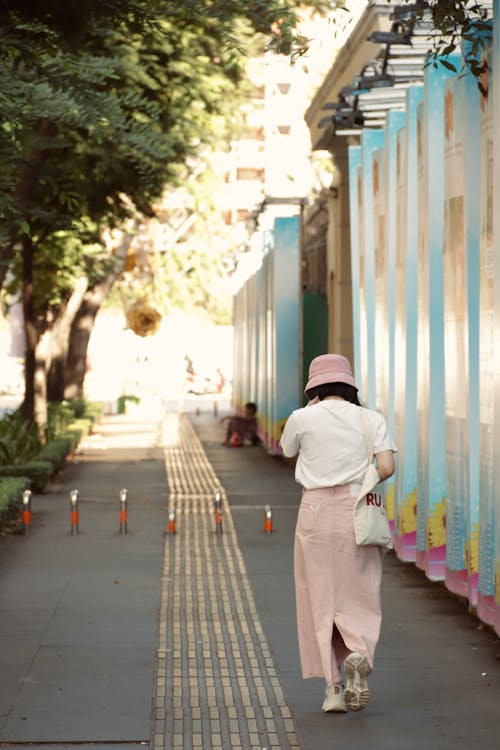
(73, 435)
(37, 472)
(78, 406)
(21, 453)
(19, 440)
(59, 415)
(77, 430)
(94, 410)
(56, 451)
(11, 493)
(122, 403)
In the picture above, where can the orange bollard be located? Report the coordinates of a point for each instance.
(268, 519)
(74, 515)
(27, 515)
(123, 512)
(218, 511)
(172, 524)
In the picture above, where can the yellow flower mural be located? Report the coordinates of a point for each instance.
(407, 514)
(436, 525)
(389, 501)
(472, 550)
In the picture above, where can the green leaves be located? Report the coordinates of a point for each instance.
(19, 440)
(459, 26)
(103, 97)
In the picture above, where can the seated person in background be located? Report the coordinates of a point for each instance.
(240, 428)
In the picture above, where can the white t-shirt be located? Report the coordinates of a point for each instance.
(329, 438)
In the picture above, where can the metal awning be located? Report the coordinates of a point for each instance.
(382, 84)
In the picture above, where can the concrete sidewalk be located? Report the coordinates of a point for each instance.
(190, 641)
(78, 613)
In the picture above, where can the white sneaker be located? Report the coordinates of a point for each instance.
(356, 693)
(334, 700)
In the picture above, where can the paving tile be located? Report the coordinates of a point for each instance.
(209, 634)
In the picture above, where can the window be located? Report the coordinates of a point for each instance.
(284, 88)
(250, 173)
(255, 134)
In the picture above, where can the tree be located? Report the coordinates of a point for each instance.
(104, 101)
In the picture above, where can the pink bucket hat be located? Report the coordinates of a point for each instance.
(330, 368)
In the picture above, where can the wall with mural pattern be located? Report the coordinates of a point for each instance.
(424, 200)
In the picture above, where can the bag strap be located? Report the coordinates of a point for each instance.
(367, 435)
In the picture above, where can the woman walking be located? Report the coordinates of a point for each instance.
(337, 583)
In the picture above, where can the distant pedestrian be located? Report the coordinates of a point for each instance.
(241, 428)
(337, 583)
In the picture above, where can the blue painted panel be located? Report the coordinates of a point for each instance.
(394, 123)
(456, 338)
(371, 140)
(381, 343)
(472, 220)
(406, 330)
(486, 584)
(496, 235)
(286, 290)
(431, 500)
(354, 164)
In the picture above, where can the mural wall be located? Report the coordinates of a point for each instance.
(424, 196)
(428, 195)
(267, 340)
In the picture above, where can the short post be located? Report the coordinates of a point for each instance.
(27, 515)
(123, 512)
(218, 511)
(73, 504)
(172, 523)
(268, 519)
(216, 409)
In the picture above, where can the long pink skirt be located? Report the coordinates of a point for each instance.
(337, 584)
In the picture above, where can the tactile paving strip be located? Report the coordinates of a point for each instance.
(216, 684)
(188, 469)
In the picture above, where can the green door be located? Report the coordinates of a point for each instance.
(314, 329)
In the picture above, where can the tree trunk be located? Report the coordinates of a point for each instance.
(55, 341)
(55, 378)
(35, 391)
(30, 329)
(81, 329)
(76, 362)
(42, 349)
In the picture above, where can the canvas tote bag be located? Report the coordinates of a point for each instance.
(371, 525)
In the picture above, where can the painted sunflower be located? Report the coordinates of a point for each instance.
(407, 514)
(472, 550)
(436, 525)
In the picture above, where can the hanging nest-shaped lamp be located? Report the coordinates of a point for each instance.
(142, 318)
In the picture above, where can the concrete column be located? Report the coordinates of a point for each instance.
(339, 256)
